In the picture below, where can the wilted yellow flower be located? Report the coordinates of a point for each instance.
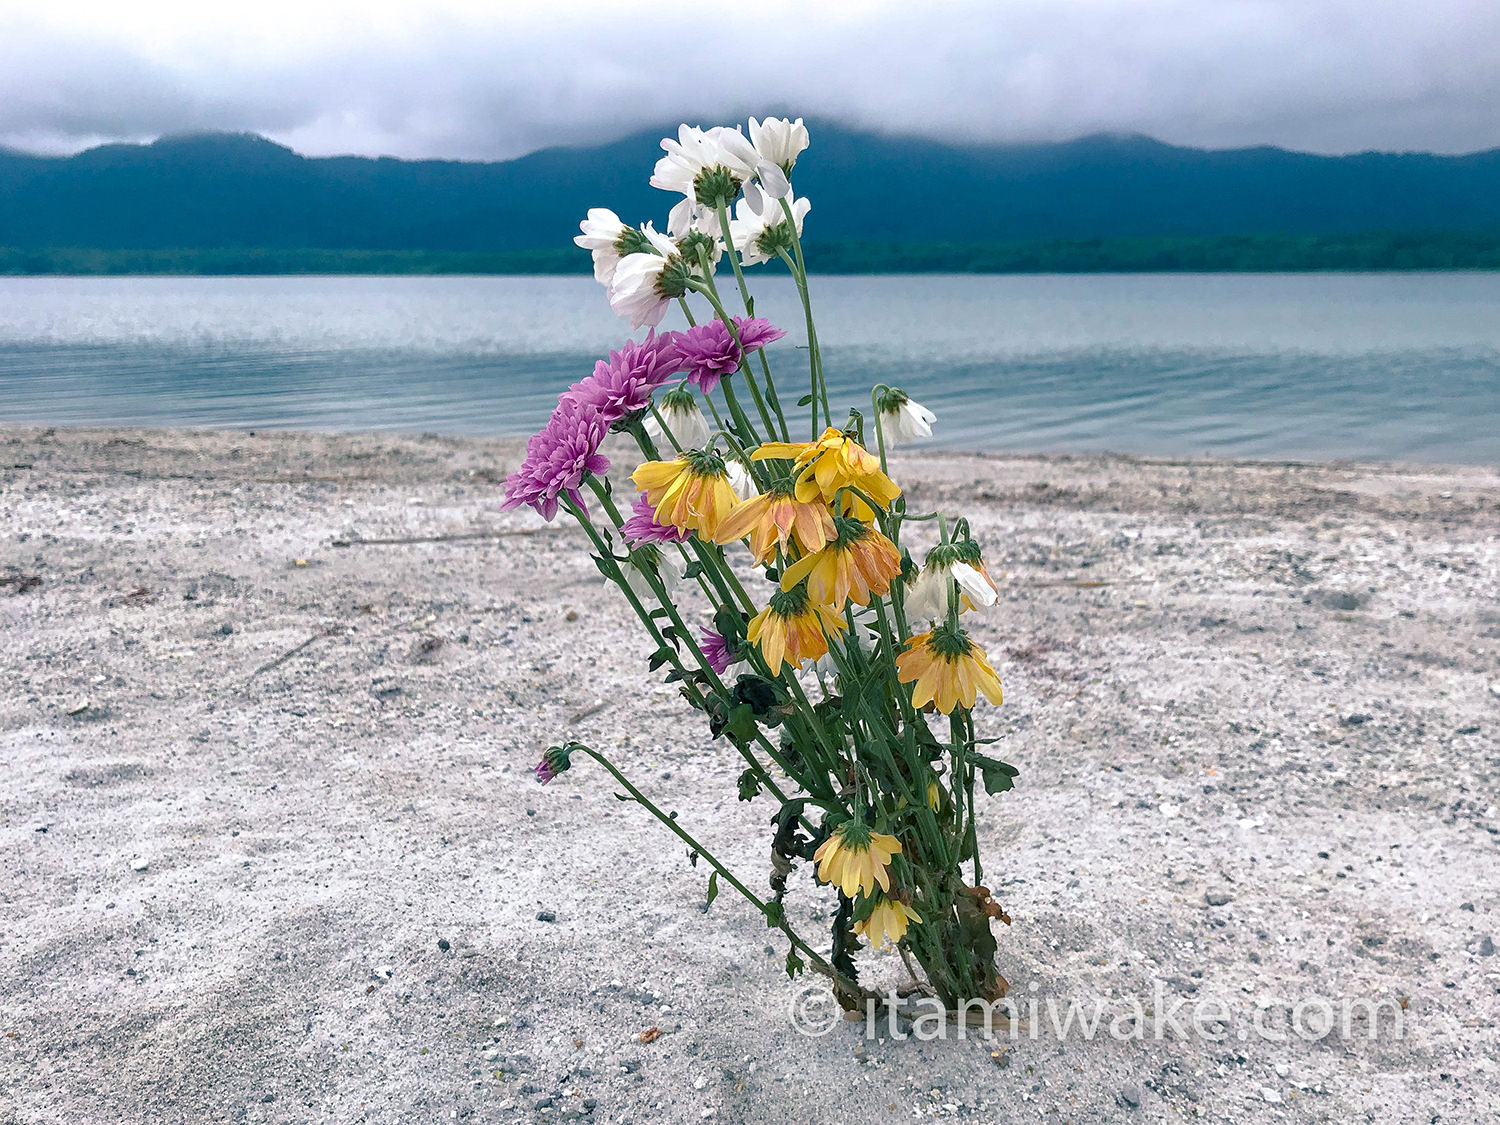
(856, 858)
(887, 922)
(691, 492)
(792, 629)
(832, 462)
(948, 670)
(858, 562)
(772, 518)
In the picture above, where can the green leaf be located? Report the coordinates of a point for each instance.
(794, 964)
(998, 776)
(804, 400)
(713, 888)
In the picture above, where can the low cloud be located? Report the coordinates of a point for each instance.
(457, 80)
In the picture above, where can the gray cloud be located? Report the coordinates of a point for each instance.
(1322, 75)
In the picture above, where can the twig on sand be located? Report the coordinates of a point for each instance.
(331, 631)
(461, 537)
(20, 583)
(587, 711)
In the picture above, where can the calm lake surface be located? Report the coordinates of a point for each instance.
(1318, 366)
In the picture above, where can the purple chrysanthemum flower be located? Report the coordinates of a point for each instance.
(557, 459)
(642, 527)
(622, 385)
(707, 352)
(555, 761)
(715, 650)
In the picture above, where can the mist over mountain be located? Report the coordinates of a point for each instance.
(216, 191)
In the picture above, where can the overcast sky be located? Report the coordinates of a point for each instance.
(489, 79)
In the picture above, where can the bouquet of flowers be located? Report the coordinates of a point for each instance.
(838, 669)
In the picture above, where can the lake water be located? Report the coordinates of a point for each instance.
(1370, 366)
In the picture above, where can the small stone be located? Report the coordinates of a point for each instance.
(1217, 896)
(269, 1098)
(1270, 1095)
(1282, 1070)
(546, 916)
(700, 1082)
(1130, 1094)
(226, 630)
(444, 944)
(139, 864)
(79, 708)
(1486, 947)
(1469, 906)
(1355, 720)
(544, 1103)
(299, 562)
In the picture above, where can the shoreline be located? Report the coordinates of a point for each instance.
(278, 853)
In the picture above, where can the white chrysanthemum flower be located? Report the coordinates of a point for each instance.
(644, 284)
(740, 479)
(669, 568)
(679, 410)
(708, 165)
(759, 228)
(901, 419)
(927, 600)
(691, 225)
(779, 141)
(602, 233)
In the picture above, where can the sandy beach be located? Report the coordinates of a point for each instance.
(273, 850)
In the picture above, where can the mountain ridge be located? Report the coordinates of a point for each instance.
(241, 190)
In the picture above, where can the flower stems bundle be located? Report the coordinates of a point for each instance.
(838, 670)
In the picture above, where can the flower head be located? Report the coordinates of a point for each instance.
(712, 166)
(646, 562)
(759, 229)
(901, 419)
(771, 519)
(740, 479)
(792, 629)
(887, 922)
(644, 284)
(832, 462)
(857, 562)
(642, 527)
(610, 240)
(928, 598)
(684, 421)
(692, 491)
(779, 141)
(856, 858)
(558, 458)
(622, 385)
(948, 670)
(715, 650)
(710, 351)
(556, 760)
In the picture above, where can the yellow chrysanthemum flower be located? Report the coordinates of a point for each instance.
(832, 462)
(948, 670)
(887, 922)
(856, 858)
(792, 629)
(691, 492)
(772, 518)
(858, 562)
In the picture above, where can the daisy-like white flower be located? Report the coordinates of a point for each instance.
(948, 670)
(740, 479)
(901, 419)
(927, 600)
(856, 858)
(713, 166)
(779, 141)
(759, 228)
(646, 283)
(610, 240)
(649, 559)
(679, 411)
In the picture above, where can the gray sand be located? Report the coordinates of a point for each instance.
(274, 852)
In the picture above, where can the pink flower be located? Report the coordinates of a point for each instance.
(558, 458)
(714, 650)
(622, 385)
(707, 352)
(642, 527)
